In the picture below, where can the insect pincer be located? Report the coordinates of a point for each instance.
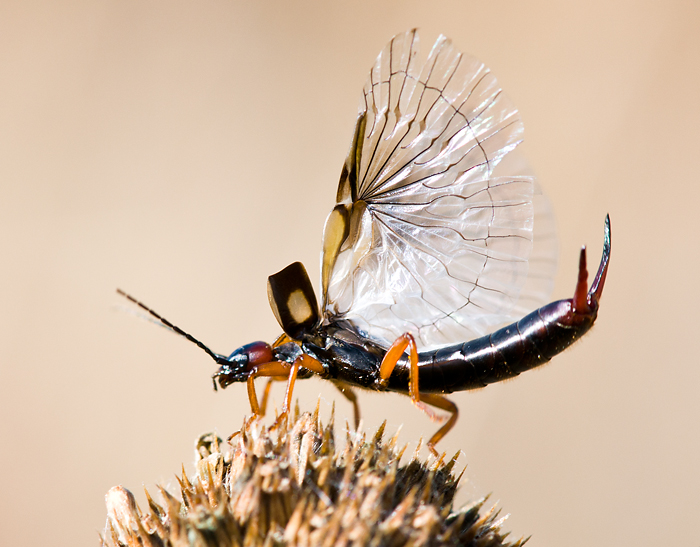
(586, 301)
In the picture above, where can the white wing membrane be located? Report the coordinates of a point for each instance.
(542, 264)
(440, 246)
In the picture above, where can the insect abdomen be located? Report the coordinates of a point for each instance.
(504, 354)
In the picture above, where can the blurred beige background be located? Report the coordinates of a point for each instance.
(183, 151)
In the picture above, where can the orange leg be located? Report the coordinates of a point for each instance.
(445, 404)
(389, 363)
(288, 393)
(275, 370)
(266, 393)
(308, 363)
(350, 395)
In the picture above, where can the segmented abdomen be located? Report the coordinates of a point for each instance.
(504, 354)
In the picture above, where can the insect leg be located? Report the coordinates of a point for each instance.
(275, 368)
(443, 403)
(307, 362)
(278, 370)
(393, 355)
(350, 395)
(389, 363)
(266, 393)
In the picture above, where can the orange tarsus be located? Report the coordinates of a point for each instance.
(443, 403)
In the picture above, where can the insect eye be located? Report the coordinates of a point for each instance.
(293, 300)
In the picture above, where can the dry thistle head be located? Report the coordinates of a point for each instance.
(291, 485)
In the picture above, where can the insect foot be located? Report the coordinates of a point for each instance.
(298, 485)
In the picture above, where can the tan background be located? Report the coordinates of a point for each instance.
(185, 150)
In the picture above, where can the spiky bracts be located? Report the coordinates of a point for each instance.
(291, 485)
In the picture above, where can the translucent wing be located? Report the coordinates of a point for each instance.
(542, 264)
(425, 237)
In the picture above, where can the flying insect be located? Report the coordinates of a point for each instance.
(432, 273)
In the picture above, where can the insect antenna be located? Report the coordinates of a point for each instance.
(220, 359)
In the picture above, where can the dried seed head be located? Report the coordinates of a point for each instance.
(291, 485)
